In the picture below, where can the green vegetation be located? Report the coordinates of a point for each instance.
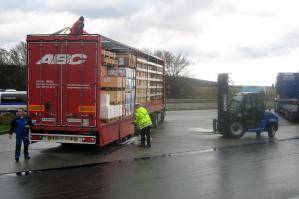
(5, 121)
(4, 128)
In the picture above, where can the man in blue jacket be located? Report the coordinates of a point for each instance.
(20, 126)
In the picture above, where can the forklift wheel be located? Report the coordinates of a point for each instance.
(215, 125)
(237, 130)
(271, 130)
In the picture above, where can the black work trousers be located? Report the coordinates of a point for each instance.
(146, 133)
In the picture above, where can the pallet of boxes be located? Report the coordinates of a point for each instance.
(117, 86)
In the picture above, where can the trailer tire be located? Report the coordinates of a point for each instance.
(272, 130)
(163, 114)
(236, 129)
(155, 120)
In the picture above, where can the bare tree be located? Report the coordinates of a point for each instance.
(147, 51)
(4, 57)
(18, 54)
(13, 70)
(175, 64)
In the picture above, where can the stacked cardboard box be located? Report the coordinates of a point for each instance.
(109, 58)
(107, 53)
(113, 82)
(109, 110)
(126, 60)
(114, 97)
(112, 94)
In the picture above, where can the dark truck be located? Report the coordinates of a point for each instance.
(287, 100)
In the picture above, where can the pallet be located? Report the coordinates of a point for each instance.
(109, 64)
(117, 103)
(128, 116)
(113, 88)
(111, 120)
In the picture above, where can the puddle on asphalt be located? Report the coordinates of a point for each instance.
(21, 173)
(203, 131)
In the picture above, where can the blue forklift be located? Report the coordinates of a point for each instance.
(243, 112)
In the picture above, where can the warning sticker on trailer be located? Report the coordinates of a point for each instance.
(87, 109)
(73, 120)
(36, 108)
(48, 119)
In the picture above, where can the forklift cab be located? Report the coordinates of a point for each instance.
(247, 107)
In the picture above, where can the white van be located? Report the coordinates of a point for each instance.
(11, 100)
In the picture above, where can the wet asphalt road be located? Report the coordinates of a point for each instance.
(267, 169)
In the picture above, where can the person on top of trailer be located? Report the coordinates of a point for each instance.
(77, 28)
(144, 122)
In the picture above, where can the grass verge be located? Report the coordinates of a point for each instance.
(4, 128)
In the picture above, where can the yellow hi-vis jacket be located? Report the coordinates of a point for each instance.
(142, 118)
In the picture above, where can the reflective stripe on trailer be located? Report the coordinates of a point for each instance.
(36, 108)
(58, 138)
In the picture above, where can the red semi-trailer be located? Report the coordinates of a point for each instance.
(65, 79)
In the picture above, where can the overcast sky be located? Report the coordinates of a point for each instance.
(251, 39)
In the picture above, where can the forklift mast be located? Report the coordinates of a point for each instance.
(222, 95)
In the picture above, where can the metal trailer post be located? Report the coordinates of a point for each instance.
(222, 95)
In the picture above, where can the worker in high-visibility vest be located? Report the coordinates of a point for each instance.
(144, 122)
(77, 28)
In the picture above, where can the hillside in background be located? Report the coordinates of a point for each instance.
(184, 87)
(190, 89)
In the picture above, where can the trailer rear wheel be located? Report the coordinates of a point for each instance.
(155, 120)
(272, 130)
(163, 115)
(236, 130)
(215, 125)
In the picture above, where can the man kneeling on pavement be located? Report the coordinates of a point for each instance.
(20, 126)
(144, 122)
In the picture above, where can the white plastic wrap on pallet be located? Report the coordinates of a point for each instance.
(105, 112)
(115, 111)
(130, 84)
(129, 98)
(130, 73)
(129, 109)
(105, 99)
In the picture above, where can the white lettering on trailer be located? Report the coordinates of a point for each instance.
(71, 59)
(45, 84)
